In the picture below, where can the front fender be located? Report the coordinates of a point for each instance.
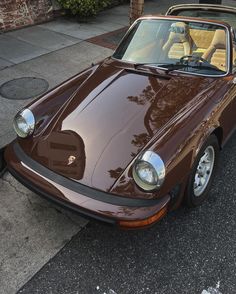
(202, 138)
(178, 146)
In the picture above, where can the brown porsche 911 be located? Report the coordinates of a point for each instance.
(132, 137)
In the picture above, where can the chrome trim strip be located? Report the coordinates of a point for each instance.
(203, 6)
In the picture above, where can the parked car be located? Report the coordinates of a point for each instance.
(132, 137)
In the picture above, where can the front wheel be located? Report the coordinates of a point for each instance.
(202, 173)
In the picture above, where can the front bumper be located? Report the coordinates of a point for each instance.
(90, 202)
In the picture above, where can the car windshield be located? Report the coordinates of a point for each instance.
(189, 46)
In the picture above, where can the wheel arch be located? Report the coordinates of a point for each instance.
(218, 132)
(215, 130)
(213, 137)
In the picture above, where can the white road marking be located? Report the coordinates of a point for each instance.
(212, 290)
(112, 291)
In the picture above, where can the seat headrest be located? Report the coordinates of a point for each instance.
(179, 32)
(219, 40)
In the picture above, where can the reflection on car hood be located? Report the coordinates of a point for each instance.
(111, 118)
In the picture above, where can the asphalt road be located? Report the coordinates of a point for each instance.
(190, 251)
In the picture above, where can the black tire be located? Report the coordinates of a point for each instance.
(190, 199)
(2, 163)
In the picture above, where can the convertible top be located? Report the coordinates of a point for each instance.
(206, 7)
(186, 18)
(223, 13)
(226, 14)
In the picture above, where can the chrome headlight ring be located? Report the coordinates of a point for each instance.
(149, 171)
(24, 123)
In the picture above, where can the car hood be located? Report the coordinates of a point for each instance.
(109, 119)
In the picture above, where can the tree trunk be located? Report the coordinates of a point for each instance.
(136, 9)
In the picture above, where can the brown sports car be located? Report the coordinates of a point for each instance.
(131, 138)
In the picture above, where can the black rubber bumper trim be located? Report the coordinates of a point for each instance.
(79, 188)
(58, 201)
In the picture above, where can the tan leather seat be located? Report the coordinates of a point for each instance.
(216, 53)
(179, 41)
(201, 38)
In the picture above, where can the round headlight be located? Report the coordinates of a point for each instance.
(24, 123)
(149, 171)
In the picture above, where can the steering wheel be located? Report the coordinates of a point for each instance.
(186, 58)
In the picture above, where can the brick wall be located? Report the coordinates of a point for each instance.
(19, 13)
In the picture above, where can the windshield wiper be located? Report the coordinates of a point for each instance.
(137, 65)
(166, 66)
(175, 66)
(148, 70)
(206, 67)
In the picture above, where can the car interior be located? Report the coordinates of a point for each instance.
(225, 16)
(208, 44)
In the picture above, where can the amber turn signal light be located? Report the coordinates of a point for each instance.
(143, 223)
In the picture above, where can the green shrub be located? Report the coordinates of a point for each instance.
(84, 8)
